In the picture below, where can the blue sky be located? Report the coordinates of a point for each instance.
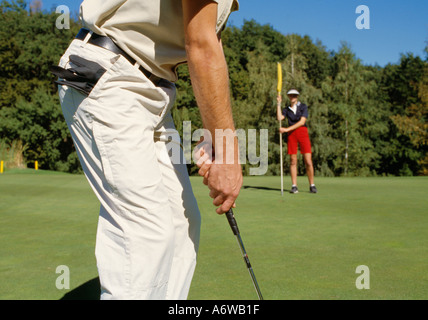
(396, 26)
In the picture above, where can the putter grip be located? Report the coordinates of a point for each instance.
(232, 222)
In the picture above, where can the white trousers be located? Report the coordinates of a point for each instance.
(149, 221)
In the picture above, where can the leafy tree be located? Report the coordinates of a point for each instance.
(399, 86)
(414, 123)
(29, 107)
(40, 125)
(353, 114)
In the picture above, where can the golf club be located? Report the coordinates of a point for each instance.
(234, 226)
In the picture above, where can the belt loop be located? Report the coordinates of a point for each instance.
(88, 36)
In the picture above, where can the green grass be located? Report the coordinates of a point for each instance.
(303, 246)
(46, 220)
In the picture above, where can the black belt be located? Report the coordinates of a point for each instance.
(107, 43)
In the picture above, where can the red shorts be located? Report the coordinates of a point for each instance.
(299, 137)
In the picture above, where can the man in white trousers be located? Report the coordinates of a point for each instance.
(116, 87)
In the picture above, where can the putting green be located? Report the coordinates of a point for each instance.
(302, 246)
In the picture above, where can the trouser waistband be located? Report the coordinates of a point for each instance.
(108, 43)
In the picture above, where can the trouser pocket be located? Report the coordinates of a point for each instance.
(82, 75)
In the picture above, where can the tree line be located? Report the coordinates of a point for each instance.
(363, 120)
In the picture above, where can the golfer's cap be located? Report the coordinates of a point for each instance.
(293, 91)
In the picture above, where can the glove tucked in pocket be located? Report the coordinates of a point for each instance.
(82, 77)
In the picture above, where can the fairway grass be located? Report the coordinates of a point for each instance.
(301, 246)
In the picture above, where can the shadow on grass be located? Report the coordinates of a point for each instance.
(263, 188)
(272, 189)
(90, 290)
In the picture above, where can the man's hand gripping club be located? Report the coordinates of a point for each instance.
(223, 178)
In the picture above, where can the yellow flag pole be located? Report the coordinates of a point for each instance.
(279, 89)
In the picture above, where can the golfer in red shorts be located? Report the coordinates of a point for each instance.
(298, 136)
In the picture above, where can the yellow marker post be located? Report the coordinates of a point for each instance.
(1, 166)
(36, 165)
(279, 89)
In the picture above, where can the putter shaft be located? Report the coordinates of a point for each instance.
(235, 229)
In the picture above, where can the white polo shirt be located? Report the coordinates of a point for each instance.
(150, 31)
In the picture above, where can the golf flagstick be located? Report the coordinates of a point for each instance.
(234, 226)
(279, 88)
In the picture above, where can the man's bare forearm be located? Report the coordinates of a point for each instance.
(207, 65)
(210, 82)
